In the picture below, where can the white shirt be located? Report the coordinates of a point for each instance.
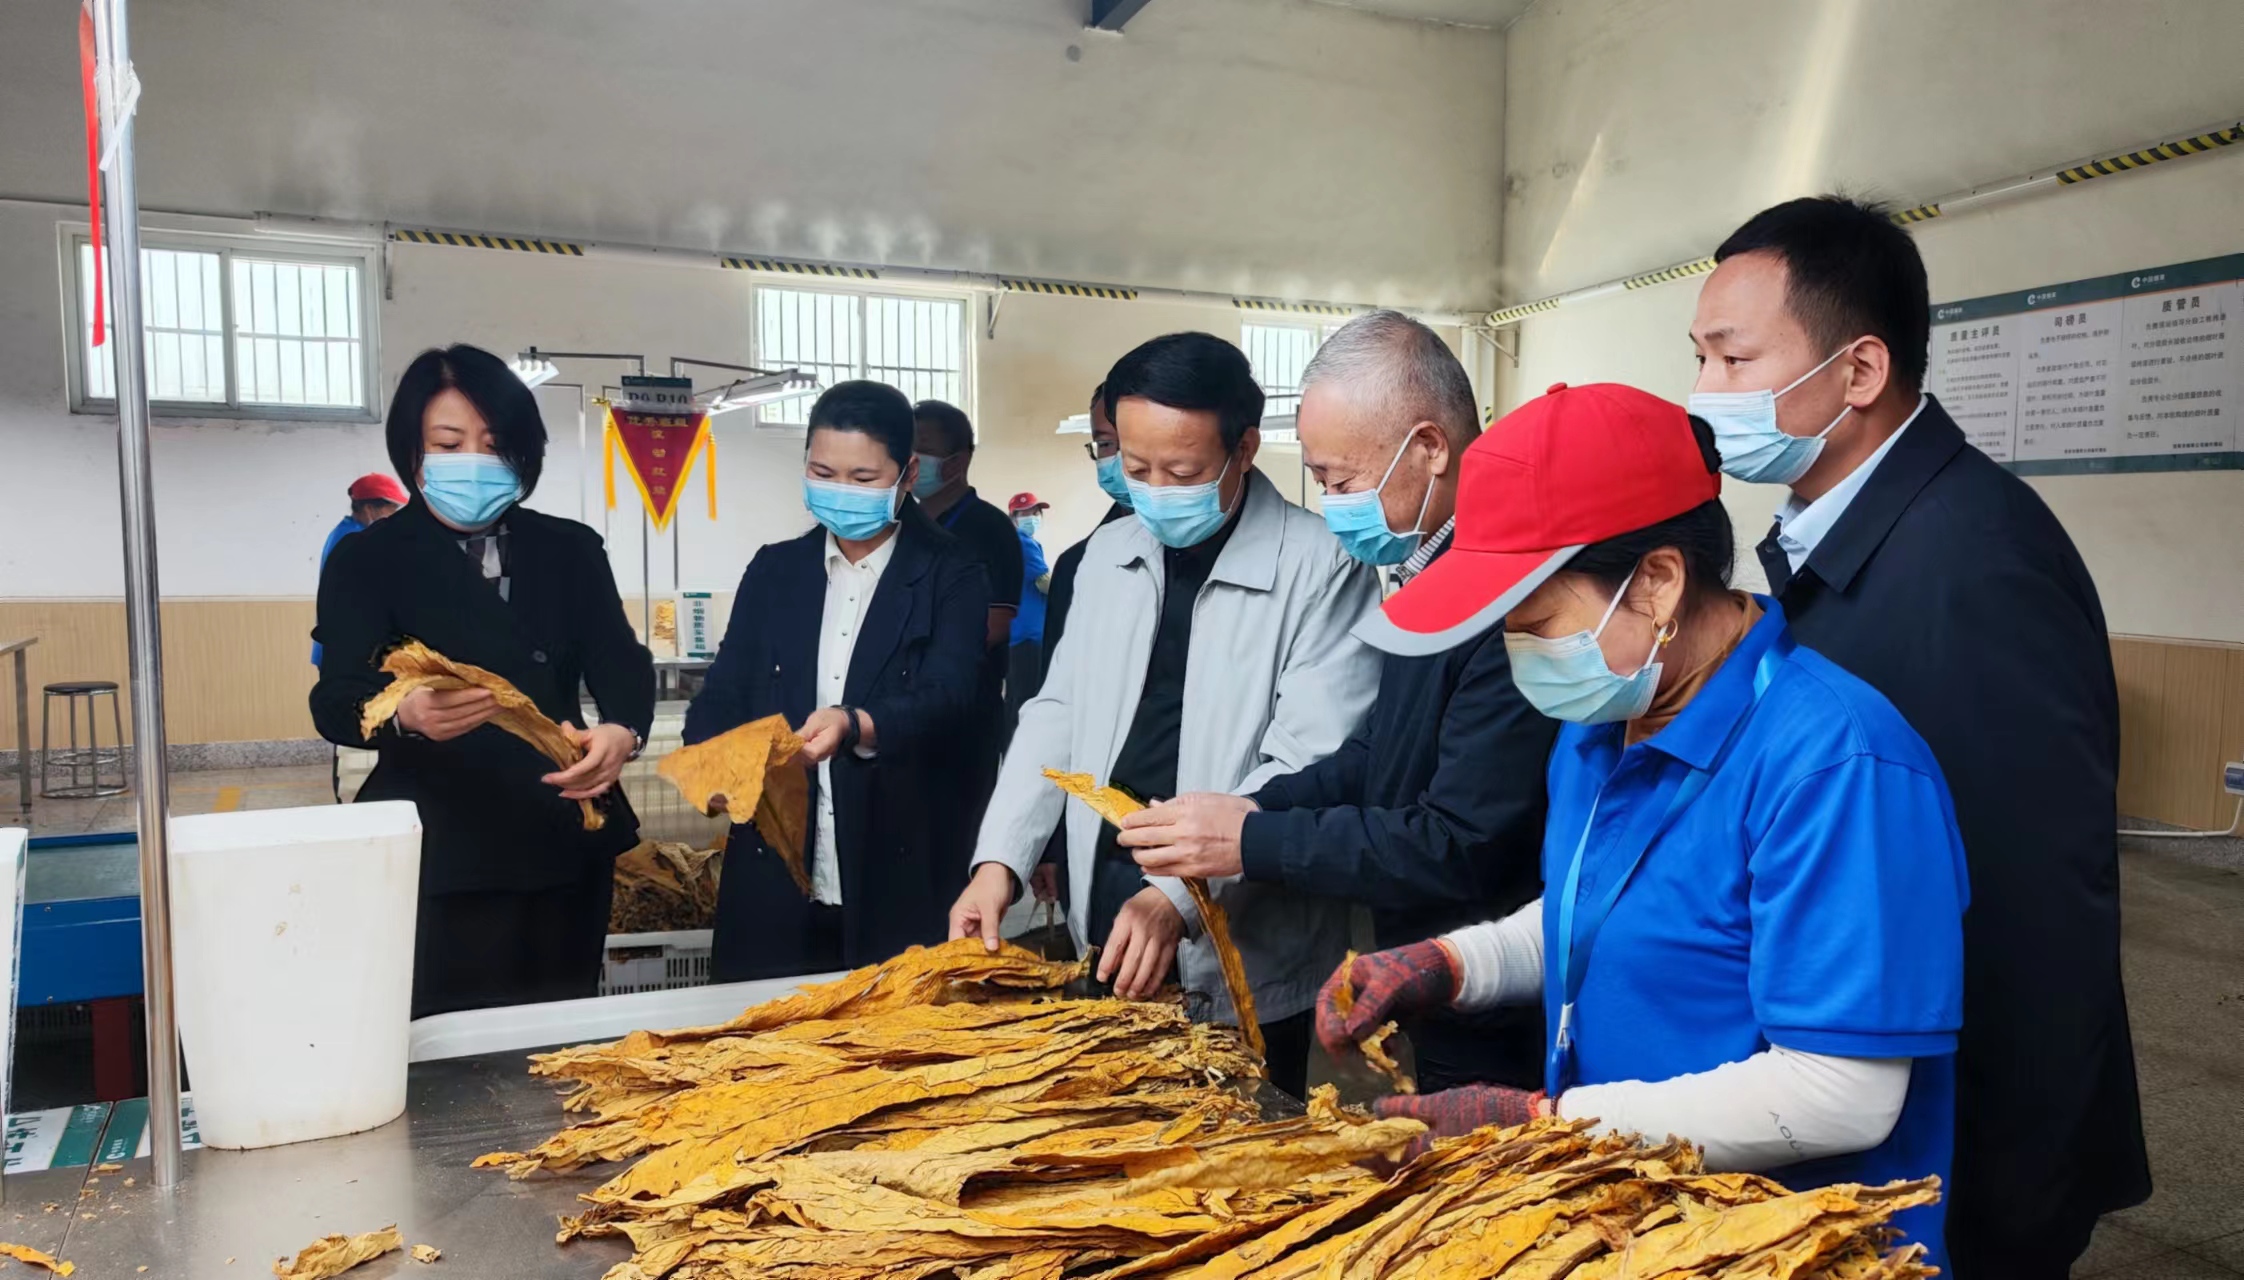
(849, 593)
(1801, 525)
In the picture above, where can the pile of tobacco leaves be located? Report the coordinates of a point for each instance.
(949, 1114)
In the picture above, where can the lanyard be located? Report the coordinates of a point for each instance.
(1576, 939)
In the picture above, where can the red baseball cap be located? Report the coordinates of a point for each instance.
(1022, 503)
(1559, 473)
(377, 487)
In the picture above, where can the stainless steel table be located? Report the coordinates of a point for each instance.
(15, 649)
(236, 1211)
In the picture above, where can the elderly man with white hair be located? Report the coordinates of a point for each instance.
(1431, 814)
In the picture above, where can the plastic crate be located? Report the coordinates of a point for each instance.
(655, 962)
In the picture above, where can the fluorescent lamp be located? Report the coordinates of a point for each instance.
(1076, 425)
(534, 370)
(763, 388)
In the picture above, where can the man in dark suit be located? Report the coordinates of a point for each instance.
(1918, 564)
(1431, 813)
(866, 633)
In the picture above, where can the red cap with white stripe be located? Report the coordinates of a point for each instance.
(1572, 468)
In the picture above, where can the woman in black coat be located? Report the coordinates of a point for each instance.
(866, 633)
(514, 891)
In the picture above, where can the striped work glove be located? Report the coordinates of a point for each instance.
(1464, 1109)
(1379, 986)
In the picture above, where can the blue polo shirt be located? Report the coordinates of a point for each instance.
(1812, 896)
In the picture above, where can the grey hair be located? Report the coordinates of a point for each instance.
(1407, 366)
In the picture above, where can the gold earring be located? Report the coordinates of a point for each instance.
(1667, 632)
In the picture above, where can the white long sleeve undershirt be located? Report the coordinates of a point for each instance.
(1775, 1108)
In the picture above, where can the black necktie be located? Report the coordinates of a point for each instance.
(1774, 562)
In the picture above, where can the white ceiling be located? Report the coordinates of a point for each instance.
(1470, 13)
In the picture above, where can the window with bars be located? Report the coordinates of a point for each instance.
(916, 345)
(1278, 354)
(235, 328)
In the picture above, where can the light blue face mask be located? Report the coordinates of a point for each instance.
(1569, 679)
(468, 490)
(1182, 515)
(1360, 521)
(852, 512)
(1753, 448)
(929, 481)
(1112, 481)
(1028, 525)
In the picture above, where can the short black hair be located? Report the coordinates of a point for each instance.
(1703, 535)
(517, 429)
(1850, 270)
(871, 408)
(1197, 371)
(1098, 393)
(950, 422)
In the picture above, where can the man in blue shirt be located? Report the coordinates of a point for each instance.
(1026, 669)
(374, 496)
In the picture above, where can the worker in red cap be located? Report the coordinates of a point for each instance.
(1750, 933)
(374, 496)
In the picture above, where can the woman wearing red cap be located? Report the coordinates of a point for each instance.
(1751, 927)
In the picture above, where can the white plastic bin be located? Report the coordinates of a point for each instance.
(293, 959)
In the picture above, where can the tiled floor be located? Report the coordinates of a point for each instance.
(2184, 959)
(208, 791)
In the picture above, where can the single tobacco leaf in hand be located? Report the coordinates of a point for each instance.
(1375, 1053)
(752, 773)
(1115, 805)
(414, 665)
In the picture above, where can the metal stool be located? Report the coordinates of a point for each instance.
(85, 764)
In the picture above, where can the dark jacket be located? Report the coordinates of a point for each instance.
(1952, 590)
(1431, 815)
(914, 671)
(1060, 596)
(488, 822)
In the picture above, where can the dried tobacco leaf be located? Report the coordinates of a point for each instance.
(1374, 1048)
(26, 1254)
(662, 886)
(751, 773)
(413, 665)
(331, 1256)
(1114, 805)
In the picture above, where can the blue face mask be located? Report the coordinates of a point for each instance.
(468, 490)
(852, 512)
(929, 481)
(1569, 679)
(1753, 448)
(1182, 515)
(1360, 521)
(1112, 481)
(1028, 525)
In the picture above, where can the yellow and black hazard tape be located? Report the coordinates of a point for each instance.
(1513, 315)
(1298, 308)
(1922, 213)
(1681, 271)
(1068, 290)
(470, 240)
(784, 267)
(2175, 150)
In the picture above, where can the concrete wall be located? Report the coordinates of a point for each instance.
(1640, 132)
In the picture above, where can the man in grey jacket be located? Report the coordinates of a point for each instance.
(1208, 650)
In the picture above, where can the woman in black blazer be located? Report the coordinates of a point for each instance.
(867, 633)
(514, 891)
